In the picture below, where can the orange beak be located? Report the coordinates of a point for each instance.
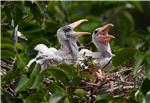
(105, 37)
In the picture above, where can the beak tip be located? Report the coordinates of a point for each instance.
(85, 20)
(112, 25)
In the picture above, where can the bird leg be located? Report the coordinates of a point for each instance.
(111, 84)
(98, 74)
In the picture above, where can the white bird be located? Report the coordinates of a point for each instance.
(68, 39)
(102, 58)
(101, 40)
(68, 51)
(45, 56)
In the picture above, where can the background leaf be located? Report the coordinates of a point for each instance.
(123, 55)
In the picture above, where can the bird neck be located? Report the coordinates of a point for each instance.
(70, 48)
(104, 48)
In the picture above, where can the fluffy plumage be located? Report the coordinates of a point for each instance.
(68, 51)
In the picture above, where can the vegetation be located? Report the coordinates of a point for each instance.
(39, 21)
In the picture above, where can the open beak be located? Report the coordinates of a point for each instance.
(77, 23)
(106, 37)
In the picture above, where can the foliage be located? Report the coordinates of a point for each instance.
(39, 21)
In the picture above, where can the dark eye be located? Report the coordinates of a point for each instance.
(67, 29)
(95, 32)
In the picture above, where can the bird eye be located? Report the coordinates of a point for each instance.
(95, 32)
(67, 29)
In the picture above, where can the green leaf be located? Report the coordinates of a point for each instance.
(35, 71)
(37, 82)
(103, 98)
(145, 86)
(20, 64)
(28, 82)
(148, 28)
(147, 97)
(36, 11)
(122, 56)
(118, 100)
(56, 98)
(147, 59)
(66, 100)
(76, 80)
(55, 88)
(80, 92)
(138, 96)
(6, 40)
(8, 98)
(130, 18)
(137, 5)
(34, 98)
(58, 75)
(139, 57)
(87, 75)
(69, 70)
(7, 54)
(18, 12)
(24, 84)
(8, 12)
(31, 28)
(11, 74)
(147, 71)
(59, 13)
(8, 50)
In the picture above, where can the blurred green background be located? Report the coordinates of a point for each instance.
(39, 21)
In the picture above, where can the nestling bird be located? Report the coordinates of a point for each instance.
(68, 40)
(102, 58)
(66, 54)
(45, 56)
(101, 40)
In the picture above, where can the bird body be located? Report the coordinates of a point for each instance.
(68, 51)
(97, 58)
(68, 38)
(102, 58)
(101, 40)
(46, 56)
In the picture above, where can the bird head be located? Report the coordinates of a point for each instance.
(101, 38)
(68, 37)
(67, 32)
(101, 34)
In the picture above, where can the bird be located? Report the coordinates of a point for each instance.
(68, 40)
(101, 39)
(102, 58)
(45, 56)
(68, 51)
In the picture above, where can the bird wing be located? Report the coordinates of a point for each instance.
(45, 56)
(84, 52)
(103, 62)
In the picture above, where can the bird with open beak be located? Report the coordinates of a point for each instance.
(101, 39)
(68, 52)
(102, 58)
(68, 40)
